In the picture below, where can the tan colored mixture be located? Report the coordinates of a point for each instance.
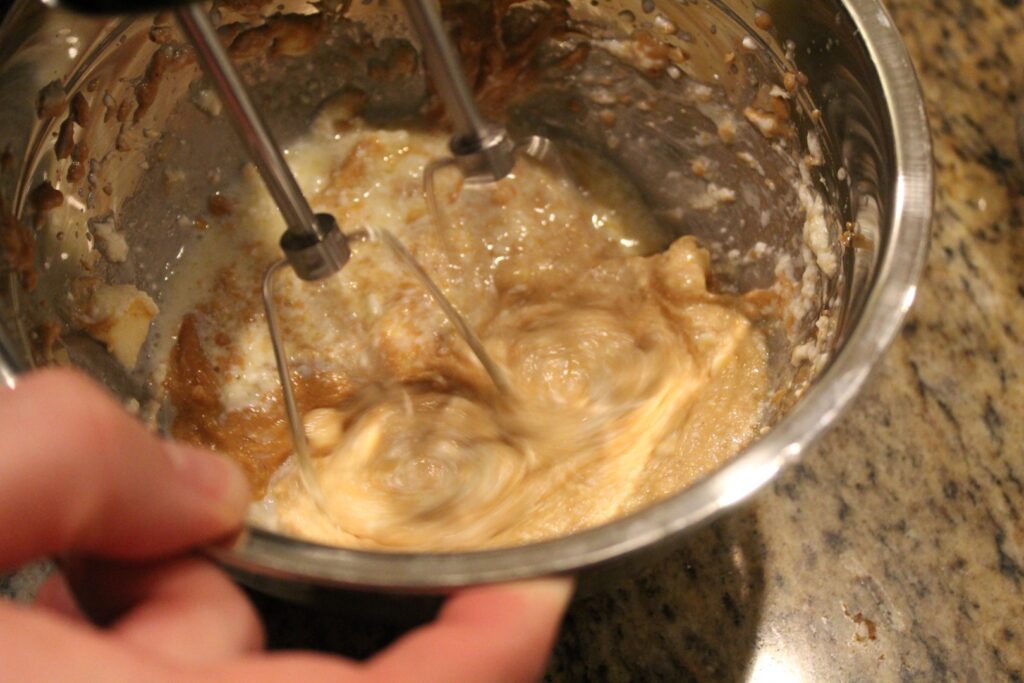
(630, 378)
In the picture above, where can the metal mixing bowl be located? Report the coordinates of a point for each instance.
(860, 102)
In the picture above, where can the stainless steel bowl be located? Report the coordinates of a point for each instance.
(861, 101)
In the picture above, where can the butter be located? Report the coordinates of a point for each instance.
(119, 316)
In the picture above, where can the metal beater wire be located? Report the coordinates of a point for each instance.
(493, 370)
(302, 452)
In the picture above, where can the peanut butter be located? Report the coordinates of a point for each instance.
(630, 377)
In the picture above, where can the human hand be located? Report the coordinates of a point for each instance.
(123, 509)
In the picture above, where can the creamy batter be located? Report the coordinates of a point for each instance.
(630, 379)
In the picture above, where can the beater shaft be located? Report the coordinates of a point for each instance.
(314, 245)
(445, 70)
(246, 119)
(483, 151)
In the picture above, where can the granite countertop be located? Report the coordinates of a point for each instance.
(895, 550)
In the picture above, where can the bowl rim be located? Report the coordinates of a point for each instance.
(259, 552)
(885, 308)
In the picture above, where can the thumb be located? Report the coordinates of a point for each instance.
(489, 633)
(78, 474)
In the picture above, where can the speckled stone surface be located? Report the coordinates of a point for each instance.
(895, 550)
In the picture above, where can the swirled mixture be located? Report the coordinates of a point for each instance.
(629, 376)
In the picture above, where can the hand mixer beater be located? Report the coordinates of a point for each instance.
(481, 150)
(313, 244)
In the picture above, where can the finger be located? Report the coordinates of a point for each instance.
(289, 667)
(80, 474)
(186, 611)
(494, 633)
(40, 646)
(484, 635)
(55, 595)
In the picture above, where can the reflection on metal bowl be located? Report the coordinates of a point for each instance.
(652, 87)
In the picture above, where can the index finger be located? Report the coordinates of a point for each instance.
(78, 474)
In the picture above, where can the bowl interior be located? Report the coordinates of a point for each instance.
(782, 100)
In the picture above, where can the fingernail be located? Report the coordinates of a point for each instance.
(213, 476)
(555, 590)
